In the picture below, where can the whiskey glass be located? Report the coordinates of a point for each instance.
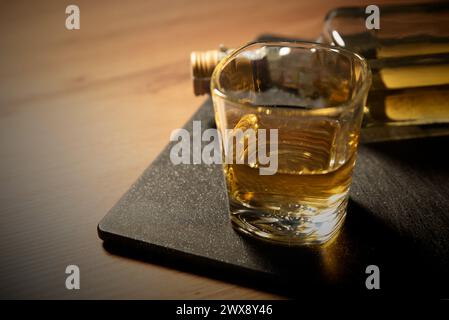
(313, 95)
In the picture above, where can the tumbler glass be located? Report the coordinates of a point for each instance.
(289, 116)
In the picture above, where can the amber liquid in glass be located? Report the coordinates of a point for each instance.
(307, 195)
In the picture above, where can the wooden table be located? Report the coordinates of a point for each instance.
(84, 112)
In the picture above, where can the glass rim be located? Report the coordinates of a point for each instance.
(214, 89)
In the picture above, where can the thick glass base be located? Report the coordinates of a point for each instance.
(305, 226)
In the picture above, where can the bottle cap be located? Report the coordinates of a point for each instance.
(203, 64)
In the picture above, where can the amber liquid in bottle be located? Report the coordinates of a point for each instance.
(409, 59)
(410, 84)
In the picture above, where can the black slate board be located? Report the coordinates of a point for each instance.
(398, 219)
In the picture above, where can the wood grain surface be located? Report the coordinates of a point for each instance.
(83, 113)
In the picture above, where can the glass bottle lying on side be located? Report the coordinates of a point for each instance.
(409, 59)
